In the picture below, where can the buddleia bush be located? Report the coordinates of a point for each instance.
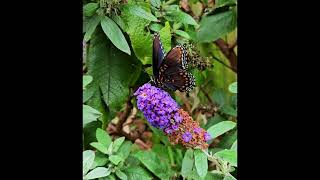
(133, 129)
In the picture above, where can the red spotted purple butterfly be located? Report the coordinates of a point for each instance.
(169, 70)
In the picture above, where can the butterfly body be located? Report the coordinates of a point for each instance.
(169, 69)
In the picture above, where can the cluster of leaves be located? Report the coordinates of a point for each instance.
(117, 41)
(109, 158)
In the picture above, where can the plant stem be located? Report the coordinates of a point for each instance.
(215, 161)
(228, 52)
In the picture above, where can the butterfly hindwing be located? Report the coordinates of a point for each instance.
(179, 80)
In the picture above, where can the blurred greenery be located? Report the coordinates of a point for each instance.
(117, 37)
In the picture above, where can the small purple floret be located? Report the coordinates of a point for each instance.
(187, 136)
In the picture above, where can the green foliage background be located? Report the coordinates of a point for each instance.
(117, 44)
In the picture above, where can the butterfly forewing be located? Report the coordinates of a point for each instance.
(157, 55)
(177, 56)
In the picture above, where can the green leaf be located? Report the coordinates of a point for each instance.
(121, 175)
(196, 8)
(110, 177)
(100, 159)
(165, 36)
(137, 173)
(214, 120)
(119, 21)
(170, 153)
(214, 150)
(86, 79)
(228, 110)
(221, 128)
(110, 148)
(209, 176)
(220, 3)
(229, 156)
(194, 175)
(103, 137)
(141, 40)
(132, 161)
(233, 88)
(187, 163)
(87, 94)
(214, 176)
(228, 139)
(89, 114)
(182, 17)
(138, 11)
(155, 3)
(171, 8)
(91, 27)
(234, 99)
(97, 102)
(114, 33)
(178, 157)
(112, 72)
(182, 34)
(158, 136)
(88, 159)
(115, 159)
(229, 177)
(102, 148)
(199, 79)
(218, 96)
(125, 149)
(98, 172)
(215, 26)
(165, 155)
(89, 133)
(201, 162)
(117, 143)
(162, 152)
(234, 146)
(156, 27)
(90, 8)
(153, 163)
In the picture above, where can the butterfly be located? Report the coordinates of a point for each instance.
(169, 70)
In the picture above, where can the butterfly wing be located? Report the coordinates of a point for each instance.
(172, 71)
(179, 80)
(177, 57)
(157, 54)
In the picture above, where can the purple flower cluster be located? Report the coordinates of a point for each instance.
(187, 136)
(158, 107)
(207, 136)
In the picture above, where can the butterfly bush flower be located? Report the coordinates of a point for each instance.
(162, 112)
(190, 134)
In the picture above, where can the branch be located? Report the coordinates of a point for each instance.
(122, 119)
(212, 108)
(207, 95)
(228, 52)
(215, 161)
(125, 114)
(223, 63)
(231, 46)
